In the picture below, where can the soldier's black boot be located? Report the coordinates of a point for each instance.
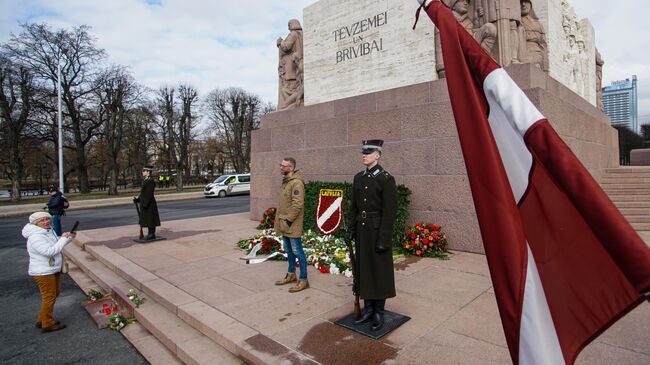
(378, 318)
(367, 312)
(151, 233)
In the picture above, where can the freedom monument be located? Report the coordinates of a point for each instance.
(367, 74)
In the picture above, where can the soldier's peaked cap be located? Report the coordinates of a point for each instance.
(148, 167)
(371, 145)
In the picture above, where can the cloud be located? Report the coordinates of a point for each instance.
(211, 44)
(207, 44)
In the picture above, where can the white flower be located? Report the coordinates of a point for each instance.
(347, 273)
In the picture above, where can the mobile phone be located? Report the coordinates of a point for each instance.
(74, 228)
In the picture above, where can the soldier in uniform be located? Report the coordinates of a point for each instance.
(148, 208)
(373, 209)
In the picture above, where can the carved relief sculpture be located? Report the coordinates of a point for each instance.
(506, 16)
(290, 68)
(485, 34)
(599, 81)
(536, 49)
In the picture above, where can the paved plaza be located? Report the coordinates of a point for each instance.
(206, 305)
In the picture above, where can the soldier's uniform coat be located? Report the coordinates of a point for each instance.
(373, 209)
(148, 208)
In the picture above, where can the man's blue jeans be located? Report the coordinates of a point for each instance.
(56, 224)
(293, 248)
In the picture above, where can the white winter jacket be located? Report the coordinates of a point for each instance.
(43, 244)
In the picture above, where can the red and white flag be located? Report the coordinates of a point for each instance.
(565, 264)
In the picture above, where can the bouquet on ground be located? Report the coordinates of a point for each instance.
(94, 295)
(116, 321)
(269, 243)
(328, 254)
(268, 219)
(425, 240)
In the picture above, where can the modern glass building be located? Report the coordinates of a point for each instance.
(620, 102)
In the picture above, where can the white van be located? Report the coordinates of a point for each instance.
(228, 185)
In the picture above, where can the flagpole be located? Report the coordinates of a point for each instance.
(58, 82)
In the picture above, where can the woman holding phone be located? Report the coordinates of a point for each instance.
(45, 264)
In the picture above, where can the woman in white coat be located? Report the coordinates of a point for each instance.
(45, 263)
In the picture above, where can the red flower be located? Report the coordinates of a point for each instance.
(324, 269)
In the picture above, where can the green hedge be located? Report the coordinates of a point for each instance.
(312, 189)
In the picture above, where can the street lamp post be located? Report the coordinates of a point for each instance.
(58, 81)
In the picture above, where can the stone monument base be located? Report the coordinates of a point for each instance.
(421, 147)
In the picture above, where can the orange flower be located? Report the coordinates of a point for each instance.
(426, 231)
(418, 252)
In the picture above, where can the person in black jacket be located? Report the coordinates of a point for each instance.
(373, 209)
(148, 208)
(56, 208)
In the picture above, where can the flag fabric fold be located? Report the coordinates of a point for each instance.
(565, 264)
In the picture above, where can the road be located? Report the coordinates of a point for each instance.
(81, 342)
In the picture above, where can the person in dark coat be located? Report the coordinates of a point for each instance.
(373, 209)
(148, 208)
(56, 208)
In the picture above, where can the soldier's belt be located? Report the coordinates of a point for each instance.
(365, 214)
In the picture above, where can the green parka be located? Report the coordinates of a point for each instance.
(291, 203)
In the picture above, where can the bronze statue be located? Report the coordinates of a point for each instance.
(290, 68)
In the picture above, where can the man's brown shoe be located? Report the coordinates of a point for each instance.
(53, 328)
(302, 285)
(289, 278)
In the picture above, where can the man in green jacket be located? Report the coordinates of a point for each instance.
(288, 223)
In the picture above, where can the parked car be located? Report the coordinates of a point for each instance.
(233, 184)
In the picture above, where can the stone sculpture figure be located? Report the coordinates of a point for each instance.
(506, 16)
(536, 49)
(290, 69)
(599, 81)
(485, 34)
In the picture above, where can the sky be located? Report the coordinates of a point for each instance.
(223, 43)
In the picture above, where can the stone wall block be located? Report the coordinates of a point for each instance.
(327, 133)
(288, 138)
(404, 96)
(384, 125)
(429, 121)
(261, 140)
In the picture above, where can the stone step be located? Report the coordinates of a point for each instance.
(632, 204)
(622, 198)
(625, 180)
(97, 271)
(147, 345)
(181, 340)
(641, 226)
(217, 327)
(628, 170)
(638, 218)
(629, 186)
(623, 191)
(634, 211)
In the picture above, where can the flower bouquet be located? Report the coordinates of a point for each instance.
(269, 243)
(134, 298)
(268, 219)
(327, 253)
(94, 295)
(425, 240)
(117, 321)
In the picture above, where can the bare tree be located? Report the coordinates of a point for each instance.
(40, 49)
(235, 113)
(16, 93)
(139, 137)
(166, 121)
(186, 123)
(117, 93)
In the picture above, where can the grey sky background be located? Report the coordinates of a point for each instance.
(221, 43)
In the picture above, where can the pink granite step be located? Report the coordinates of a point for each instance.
(147, 345)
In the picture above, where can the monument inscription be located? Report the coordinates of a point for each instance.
(356, 31)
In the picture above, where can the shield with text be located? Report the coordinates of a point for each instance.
(330, 210)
